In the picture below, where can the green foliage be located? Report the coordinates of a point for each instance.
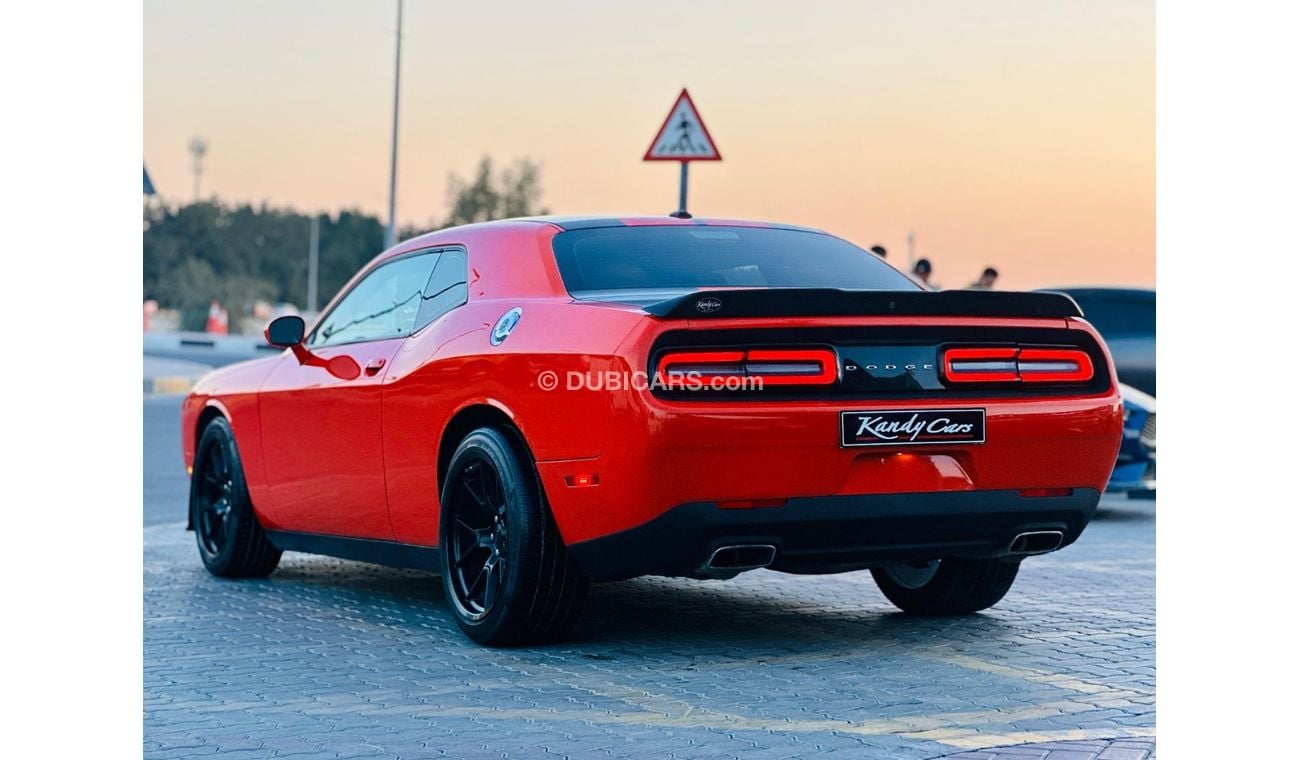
(239, 254)
(242, 254)
(514, 191)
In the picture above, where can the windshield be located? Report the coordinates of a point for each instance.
(655, 262)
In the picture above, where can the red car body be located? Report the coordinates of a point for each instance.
(646, 482)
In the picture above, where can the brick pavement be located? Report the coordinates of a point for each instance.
(328, 658)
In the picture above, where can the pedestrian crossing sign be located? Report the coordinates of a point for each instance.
(683, 136)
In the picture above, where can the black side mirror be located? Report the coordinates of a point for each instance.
(286, 332)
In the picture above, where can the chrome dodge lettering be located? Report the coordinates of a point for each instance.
(895, 366)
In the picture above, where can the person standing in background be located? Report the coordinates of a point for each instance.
(921, 273)
(986, 280)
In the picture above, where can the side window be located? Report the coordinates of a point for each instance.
(383, 305)
(447, 288)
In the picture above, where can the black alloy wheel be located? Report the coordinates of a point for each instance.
(479, 539)
(213, 484)
(231, 542)
(506, 574)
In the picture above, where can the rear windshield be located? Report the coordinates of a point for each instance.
(649, 263)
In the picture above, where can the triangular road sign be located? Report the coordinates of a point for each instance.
(683, 137)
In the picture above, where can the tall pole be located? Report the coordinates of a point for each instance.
(198, 149)
(681, 204)
(911, 249)
(390, 235)
(313, 262)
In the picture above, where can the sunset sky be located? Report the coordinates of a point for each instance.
(1018, 133)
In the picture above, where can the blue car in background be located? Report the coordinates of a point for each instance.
(1135, 467)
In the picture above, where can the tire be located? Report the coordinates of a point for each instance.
(231, 542)
(956, 587)
(505, 571)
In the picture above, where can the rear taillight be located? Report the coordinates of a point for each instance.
(762, 367)
(815, 366)
(681, 364)
(1054, 365)
(1016, 365)
(980, 365)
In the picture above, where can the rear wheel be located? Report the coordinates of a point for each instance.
(951, 586)
(231, 542)
(506, 574)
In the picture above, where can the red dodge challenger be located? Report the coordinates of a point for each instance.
(527, 406)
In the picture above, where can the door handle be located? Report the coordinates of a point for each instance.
(373, 366)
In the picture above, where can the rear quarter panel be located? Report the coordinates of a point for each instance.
(453, 366)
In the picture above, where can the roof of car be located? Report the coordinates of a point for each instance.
(565, 223)
(1094, 288)
(575, 222)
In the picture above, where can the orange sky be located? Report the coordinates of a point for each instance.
(1018, 133)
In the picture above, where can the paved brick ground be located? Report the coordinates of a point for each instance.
(338, 659)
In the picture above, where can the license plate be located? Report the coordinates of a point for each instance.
(911, 427)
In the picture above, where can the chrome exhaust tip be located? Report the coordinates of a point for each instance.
(737, 557)
(1036, 542)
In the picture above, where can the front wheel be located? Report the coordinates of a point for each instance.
(231, 542)
(506, 574)
(951, 586)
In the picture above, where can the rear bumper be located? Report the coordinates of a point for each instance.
(837, 533)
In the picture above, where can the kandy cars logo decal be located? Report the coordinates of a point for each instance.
(894, 427)
(708, 305)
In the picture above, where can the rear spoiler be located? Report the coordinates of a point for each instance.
(830, 302)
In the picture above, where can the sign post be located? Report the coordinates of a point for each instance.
(683, 138)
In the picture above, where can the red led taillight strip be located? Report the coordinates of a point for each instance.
(1016, 365)
(703, 363)
(815, 366)
(1051, 365)
(804, 366)
(980, 365)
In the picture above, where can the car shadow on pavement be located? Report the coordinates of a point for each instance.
(732, 615)
(758, 614)
(1117, 511)
(412, 589)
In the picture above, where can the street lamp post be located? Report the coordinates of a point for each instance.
(390, 233)
(198, 149)
(313, 263)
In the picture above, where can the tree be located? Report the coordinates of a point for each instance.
(240, 254)
(243, 254)
(514, 191)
